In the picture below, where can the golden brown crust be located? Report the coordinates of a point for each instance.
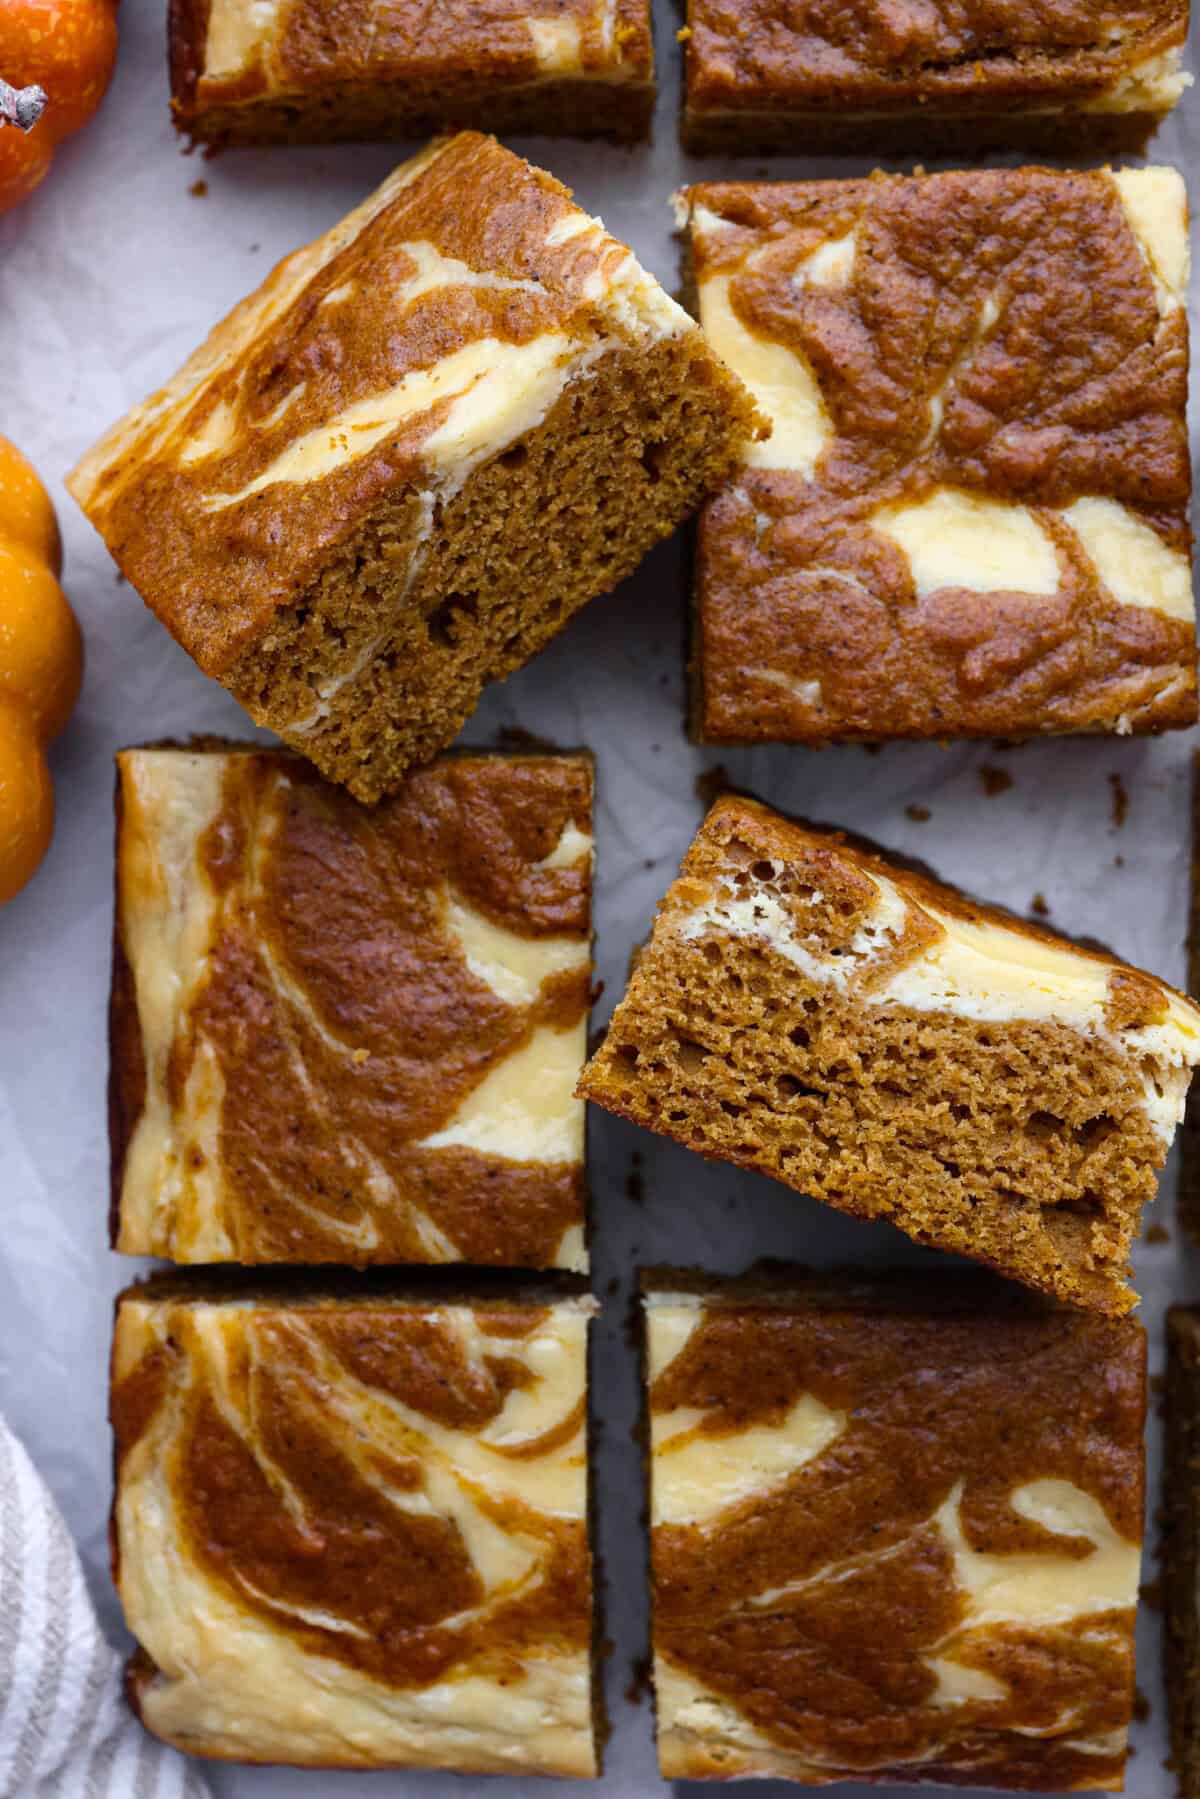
(814, 620)
(394, 1568)
(318, 72)
(329, 1030)
(753, 67)
(945, 1430)
(873, 1039)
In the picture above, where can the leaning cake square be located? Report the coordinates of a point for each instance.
(345, 1035)
(895, 1533)
(768, 75)
(888, 1045)
(307, 72)
(353, 1532)
(971, 517)
(394, 472)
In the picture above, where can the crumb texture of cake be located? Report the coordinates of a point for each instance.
(351, 1535)
(765, 74)
(1181, 1546)
(971, 517)
(881, 1042)
(350, 1036)
(393, 473)
(892, 1541)
(295, 71)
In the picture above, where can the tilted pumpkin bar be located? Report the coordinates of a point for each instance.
(394, 472)
(351, 1036)
(968, 74)
(971, 518)
(302, 71)
(353, 1532)
(885, 1044)
(895, 1533)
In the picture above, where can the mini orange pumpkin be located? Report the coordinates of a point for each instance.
(41, 666)
(67, 47)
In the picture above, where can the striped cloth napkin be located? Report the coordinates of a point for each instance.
(65, 1730)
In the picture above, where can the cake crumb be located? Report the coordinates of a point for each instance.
(1120, 801)
(198, 189)
(516, 737)
(1118, 861)
(1150, 1593)
(1038, 906)
(635, 1184)
(920, 815)
(1141, 1705)
(640, 1681)
(994, 780)
(614, 1285)
(711, 783)
(1158, 1233)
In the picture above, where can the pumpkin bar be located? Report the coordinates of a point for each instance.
(352, 1532)
(302, 71)
(881, 1042)
(971, 516)
(393, 473)
(1181, 1546)
(947, 74)
(350, 1036)
(895, 1533)
(1188, 1196)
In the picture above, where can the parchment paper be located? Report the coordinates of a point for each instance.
(108, 279)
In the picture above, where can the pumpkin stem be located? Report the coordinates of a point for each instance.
(21, 106)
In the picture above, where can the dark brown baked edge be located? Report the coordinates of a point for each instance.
(1180, 1544)
(1187, 1201)
(578, 107)
(126, 1048)
(187, 34)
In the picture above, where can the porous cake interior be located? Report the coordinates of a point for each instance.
(385, 658)
(1025, 1144)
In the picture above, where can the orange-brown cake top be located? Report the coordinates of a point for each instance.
(226, 51)
(761, 52)
(424, 334)
(892, 936)
(893, 1536)
(344, 1035)
(378, 1510)
(978, 475)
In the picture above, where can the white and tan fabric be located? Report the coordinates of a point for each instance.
(65, 1730)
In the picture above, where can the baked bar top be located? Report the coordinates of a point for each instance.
(886, 936)
(343, 1035)
(228, 51)
(1102, 54)
(424, 334)
(972, 513)
(352, 1534)
(891, 1540)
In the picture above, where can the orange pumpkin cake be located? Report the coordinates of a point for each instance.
(971, 518)
(888, 1045)
(352, 1532)
(895, 1533)
(394, 472)
(303, 71)
(350, 1036)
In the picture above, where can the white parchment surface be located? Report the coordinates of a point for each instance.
(108, 279)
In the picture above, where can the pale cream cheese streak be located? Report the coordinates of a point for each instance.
(352, 1037)
(895, 1535)
(966, 520)
(354, 1533)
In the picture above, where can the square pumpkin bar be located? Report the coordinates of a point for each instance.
(393, 473)
(342, 1035)
(304, 71)
(888, 1045)
(971, 517)
(895, 1533)
(768, 75)
(353, 1532)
